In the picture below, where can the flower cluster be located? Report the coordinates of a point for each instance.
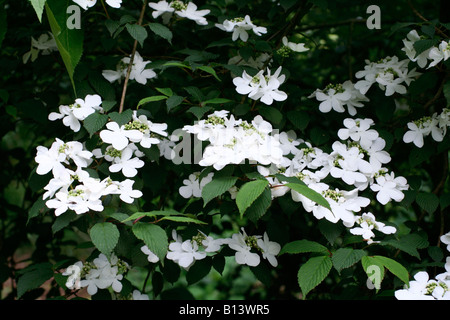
(263, 87)
(193, 186)
(101, 273)
(72, 187)
(424, 288)
(288, 47)
(390, 73)
(233, 141)
(71, 115)
(86, 4)
(240, 27)
(248, 248)
(435, 54)
(338, 96)
(436, 125)
(358, 163)
(123, 151)
(167, 9)
(138, 72)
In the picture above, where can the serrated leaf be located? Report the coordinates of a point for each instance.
(154, 213)
(346, 257)
(313, 272)
(199, 270)
(427, 201)
(182, 219)
(394, 267)
(154, 237)
(248, 193)
(151, 99)
(310, 194)
(408, 243)
(165, 91)
(303, 246)
(374, 270)
(173, 101)
(199, 112)
(161, 31)
(216, 101)
(94, 122)
(121, 118)
(271, 113)
(137, 32)
(104, 236)
(259, 206)
(68, 41)
(33, 277)
(216, 187)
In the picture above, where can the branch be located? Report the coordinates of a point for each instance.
(417, 13)
(130, 66)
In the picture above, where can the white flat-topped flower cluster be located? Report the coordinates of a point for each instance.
(390, 73)
(358, 162)
(232, 141)
(101, 273)
(424, 288)
(435, 125)
(249, 249)
(435, 54)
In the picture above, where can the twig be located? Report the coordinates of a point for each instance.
(130, 66)
(417, 13)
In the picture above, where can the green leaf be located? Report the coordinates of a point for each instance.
(303, 246)
(173, 101)
(271, 113)
(259, 206)
(209, 70)
(427, 201)
(216, 187)
(248, 193)
(69, 41)
(33, 277)
(104, 236)
(137, 32)
(155, 213)
(374, 270)
(38, 6)
(165, 91)
(346, 257)
(182, 219)
(423, 45)
(216, 101)
(121, 118)
(151, 99)
(313, 272)
(154, 237)
(94, 122)
(396, 268)
(161, 31)
(199, 270)
(408, 243)
(310, 194)
(199, 112)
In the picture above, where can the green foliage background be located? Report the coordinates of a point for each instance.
(340, 43)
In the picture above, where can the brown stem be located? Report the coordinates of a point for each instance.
(417, 13)
(127, 77)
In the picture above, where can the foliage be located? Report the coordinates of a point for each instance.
(157, 237)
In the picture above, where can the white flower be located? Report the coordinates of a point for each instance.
(119, 137)
(140, 296)
(359, 130)
(192, 13)
(153, 258)
(389, 187)
(126, 163)
(297, 47)
(417, 288)
(367, 223)
(269, 249)
(85, 4)
(333, 97)
(421, 59)
(45, 43)
(438, 54)
(74, 273)
(446, 240)
(184, 253)
(138, 72)
(50, 159)
(126, 192)
(160, 8)
(240, 26)
(239, 243)
(193, 186)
